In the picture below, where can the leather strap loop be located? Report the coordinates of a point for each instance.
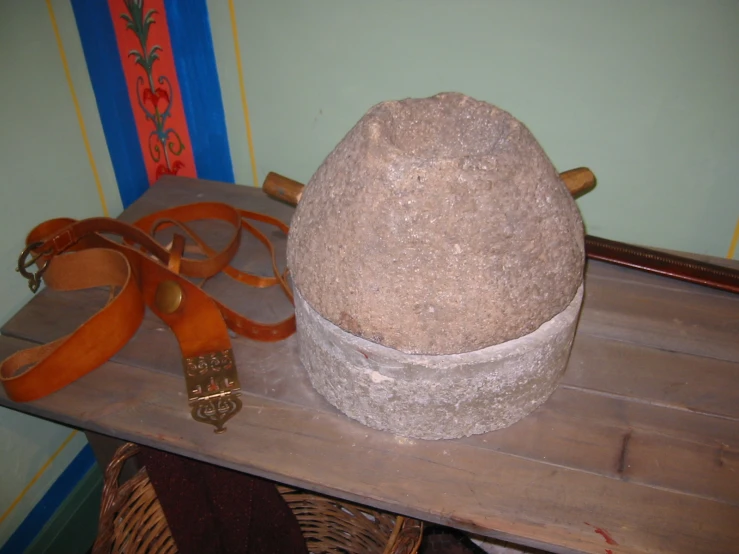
(31, 374)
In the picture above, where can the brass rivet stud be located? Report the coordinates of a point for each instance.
(168, 296)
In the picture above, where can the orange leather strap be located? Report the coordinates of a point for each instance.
(74, 255)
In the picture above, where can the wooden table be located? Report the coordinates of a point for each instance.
(636, 451)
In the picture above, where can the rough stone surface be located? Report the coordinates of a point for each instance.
(435, 396)
(437, 226)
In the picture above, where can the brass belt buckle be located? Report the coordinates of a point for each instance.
(213, 388)
(34, 278)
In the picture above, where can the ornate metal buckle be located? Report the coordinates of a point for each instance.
(34, 278)
(213, 388)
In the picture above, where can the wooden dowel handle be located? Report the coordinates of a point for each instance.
(281, 188)
(579, 181)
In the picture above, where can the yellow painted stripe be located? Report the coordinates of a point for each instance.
(36, 477)
(244, 104)
(81, 121)
(734, 240)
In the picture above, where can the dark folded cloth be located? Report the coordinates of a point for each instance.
(213, 510)
(445, 540)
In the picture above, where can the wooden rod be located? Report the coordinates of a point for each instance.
(578, 181)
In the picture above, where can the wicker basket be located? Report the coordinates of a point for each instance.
(132, 520)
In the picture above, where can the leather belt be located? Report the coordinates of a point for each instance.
(75, 255)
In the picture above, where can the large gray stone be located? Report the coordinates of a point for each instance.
(435, 396)
(437, 226)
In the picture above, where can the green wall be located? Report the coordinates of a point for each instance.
(642, 92)
(45, 168)
(45, 173)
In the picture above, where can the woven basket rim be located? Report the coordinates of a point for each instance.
(132, 520)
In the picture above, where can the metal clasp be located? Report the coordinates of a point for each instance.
(34, 278)
(213, 388)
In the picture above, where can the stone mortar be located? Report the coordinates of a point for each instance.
(437, 226)
(435, 396)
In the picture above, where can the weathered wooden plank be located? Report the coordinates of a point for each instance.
(571, 430)
(707, 470)
(446, 481)
(626, 413)
(688, 382)
(629, 448)
(630, 306)
(495, 495)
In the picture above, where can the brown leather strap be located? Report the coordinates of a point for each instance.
(36, 372)
(76, 255)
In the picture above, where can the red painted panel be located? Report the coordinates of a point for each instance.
(148, 65)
